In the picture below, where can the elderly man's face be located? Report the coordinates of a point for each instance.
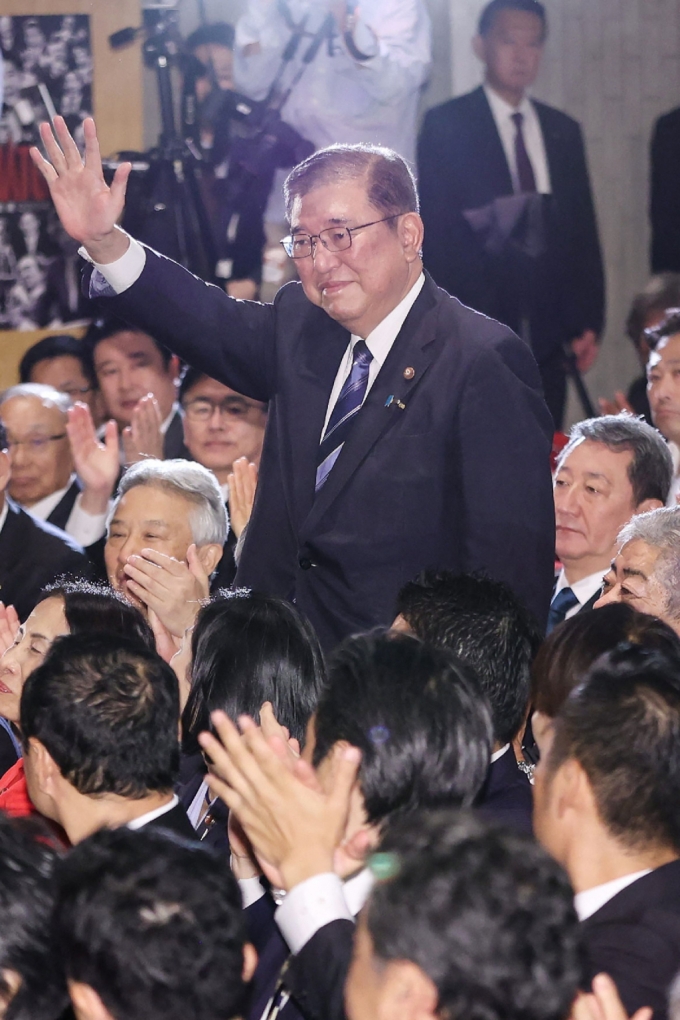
(632, 579)
(362, 284)
(147, 517)
(593, 501)
(220, 426)
(128, 366)
(663, 387)
(39, 450)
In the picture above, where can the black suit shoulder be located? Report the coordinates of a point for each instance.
(635, 937)
(176, 821)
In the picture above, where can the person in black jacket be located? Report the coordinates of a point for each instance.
(665, 196)
(509, 220)
(605, 806)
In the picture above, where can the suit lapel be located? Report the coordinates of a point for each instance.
(414, 348)
(324, 342)
(497, 171)
(553, 139)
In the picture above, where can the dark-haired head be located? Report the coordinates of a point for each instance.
(90, 606)
(108, 326)
(47, 350)
(248, 648)
(621, 726)
(31, 983)
(484, 624)
(493, 9)
(418, 716)
(568, 653)
(151, 926)
(217, 33)
(468, 920)
(105, 710)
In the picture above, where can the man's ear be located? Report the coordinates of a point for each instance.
(209, 556)
(647, 504)
(361, 843)
(249, 961)
(43, 767)
(86, 1002)
(12, 981)
(175, 369)
(408, 993)
(5, 471)
(411, 232)
(571, 789)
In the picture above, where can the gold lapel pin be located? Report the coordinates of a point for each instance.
(409, 372)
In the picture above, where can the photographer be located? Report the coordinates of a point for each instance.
(241, 147)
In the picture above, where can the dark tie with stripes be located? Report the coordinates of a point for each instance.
(525, 171)
(345, 411)
(559, 607)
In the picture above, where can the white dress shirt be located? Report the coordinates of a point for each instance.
(3, 514)
(583, 589)
(590, 900)
(158, 812)
(533, 138)
(675, 483)
(84, 527)
(379, 343)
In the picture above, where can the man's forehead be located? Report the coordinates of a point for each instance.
(37, 409)
(589, 456)
(666, 351)
(637, 556)
(127, 343)
(334, 203)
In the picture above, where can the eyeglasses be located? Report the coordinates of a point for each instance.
(202, 408)
(37, 445)
(301, 246)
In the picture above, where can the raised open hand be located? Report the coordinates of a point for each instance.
(143, 437)
(87, 207)
(97, 464)
(242, 485)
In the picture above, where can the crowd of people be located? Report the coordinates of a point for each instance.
(323, 694)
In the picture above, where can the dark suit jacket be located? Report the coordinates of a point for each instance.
(173, 440)
(315, 977)
(506, 796)
(226, 569)
(175, 821)
(62, 511)
(32, 554)
(665, 194)
(635, 938)
(462, 166)
(458, 477)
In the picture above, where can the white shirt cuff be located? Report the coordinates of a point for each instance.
(310, 906)
(84, 527)
(251, 891)
(125, 271)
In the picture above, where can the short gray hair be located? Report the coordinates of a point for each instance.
(660, 529)
(651, 469)
(390, 183)
(45, 394)
(194, 483)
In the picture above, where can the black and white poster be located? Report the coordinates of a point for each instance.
(47, 62)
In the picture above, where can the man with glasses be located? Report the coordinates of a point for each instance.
(33, 553)
(404, 429)
(223, 431)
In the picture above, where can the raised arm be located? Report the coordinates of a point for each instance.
(87, 207)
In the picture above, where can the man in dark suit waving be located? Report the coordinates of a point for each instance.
(404, 430)
(506, 202)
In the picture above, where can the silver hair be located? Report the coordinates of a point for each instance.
(650, 471)
(197, 485)
(660, 529)
(45, 394)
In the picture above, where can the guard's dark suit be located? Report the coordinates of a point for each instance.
(665, 194)
(462, 166)
(451, 473)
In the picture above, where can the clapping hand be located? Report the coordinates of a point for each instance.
(604, 1003)
(174, 590)
(143, 437)
(87, 207)
(97, 464)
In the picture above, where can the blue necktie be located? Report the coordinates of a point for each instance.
(346, 408)
(559, 607)
(525, 171)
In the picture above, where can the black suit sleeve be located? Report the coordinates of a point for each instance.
(638, 959)
(665, 194)
(317, 974)
(506, 512)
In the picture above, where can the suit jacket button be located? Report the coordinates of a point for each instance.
(305, 563)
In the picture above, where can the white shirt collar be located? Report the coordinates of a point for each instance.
(380, 340)
(583, 589)
(500, 107)
(166, 424)
(499, 753)
(44, 507)
(3, 514)
(137, 823)
(224, 489)
(590, 900)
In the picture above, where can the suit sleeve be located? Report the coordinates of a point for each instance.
(587, 293)
(317, 974)
(229, 340)
(505, 434)
(665, 195)
(639, 960)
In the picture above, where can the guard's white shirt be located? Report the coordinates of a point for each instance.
(533, 138)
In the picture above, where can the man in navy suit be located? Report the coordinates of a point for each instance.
(404, 430)
(506, 201)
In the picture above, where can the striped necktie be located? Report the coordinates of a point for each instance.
(560, 606)
(345, 411)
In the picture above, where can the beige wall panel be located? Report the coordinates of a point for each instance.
(13, 344)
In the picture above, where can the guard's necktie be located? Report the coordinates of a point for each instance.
(525, 171)
(346, 408)
(559, 607)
